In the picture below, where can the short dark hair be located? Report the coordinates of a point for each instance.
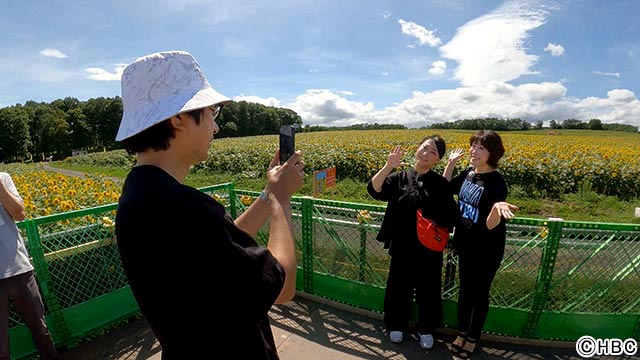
(158, 136)
(492, 142)
(440, 144)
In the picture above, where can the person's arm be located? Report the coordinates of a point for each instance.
(393, 161)
(498, 211)
(12, 203)
(455, 155)
(252, 219)
(283, 182)
(282, 246)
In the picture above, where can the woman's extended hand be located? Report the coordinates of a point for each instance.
(395, 157)
(455, 155)
(505, 209)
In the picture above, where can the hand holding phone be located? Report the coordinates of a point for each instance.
(287, 143)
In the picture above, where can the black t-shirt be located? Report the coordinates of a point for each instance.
(476, 195)
(176, 244)
(407, 192)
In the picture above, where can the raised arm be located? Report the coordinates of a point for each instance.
(283, 182)
(393, 161)
(252, 219)
(454, 156)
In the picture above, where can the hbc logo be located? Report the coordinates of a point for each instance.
(587, 346)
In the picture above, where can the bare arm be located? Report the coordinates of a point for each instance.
(393, 161)
(455, 155)
(281, 245)
(11, 203)
(252, 219)
(500, 210)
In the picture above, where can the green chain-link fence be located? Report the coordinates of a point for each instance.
(558, 280)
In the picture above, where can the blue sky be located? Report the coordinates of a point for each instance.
(344, 62)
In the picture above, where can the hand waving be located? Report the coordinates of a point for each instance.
(455, 155)
(395, 157)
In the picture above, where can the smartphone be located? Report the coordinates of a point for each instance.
(287, 142)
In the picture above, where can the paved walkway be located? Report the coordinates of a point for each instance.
(311, 328)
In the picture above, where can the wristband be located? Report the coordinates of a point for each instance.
(264, 196)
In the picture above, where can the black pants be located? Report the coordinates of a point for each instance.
(476, 275)
(27, 302)
(419, 271)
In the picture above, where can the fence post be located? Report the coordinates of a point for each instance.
(44, 278)
(545, 275)
(307, 244)
(362, 261)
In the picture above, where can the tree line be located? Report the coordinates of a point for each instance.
(519, 124)
(36, 130)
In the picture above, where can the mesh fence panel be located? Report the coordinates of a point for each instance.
(345, 245)
(596, 272)
(515, 281)
(82, 257)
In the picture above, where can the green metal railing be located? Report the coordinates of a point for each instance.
(558, 280)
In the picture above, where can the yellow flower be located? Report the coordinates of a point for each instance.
(107, 222)
(363, 216)
(246, 200)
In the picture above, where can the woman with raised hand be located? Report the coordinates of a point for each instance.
(480, 236)
(414, 267)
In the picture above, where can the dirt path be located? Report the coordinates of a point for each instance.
(72, 173)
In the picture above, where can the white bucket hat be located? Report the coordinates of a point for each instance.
(158, 86)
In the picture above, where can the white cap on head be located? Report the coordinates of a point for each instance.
(158, 86)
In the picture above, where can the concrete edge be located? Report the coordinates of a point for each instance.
(448, 331)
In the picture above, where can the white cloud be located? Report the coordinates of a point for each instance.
(491, 47)
(54, 53)
(555, 49)
(621, 95)
(438, 67)
(270, 101)
(321, 106)
(101, 74)
(424, 36)
(614, 74)
(386, 15)
(530, 102)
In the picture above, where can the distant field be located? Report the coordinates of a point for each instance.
(606, 162)
(564, 175)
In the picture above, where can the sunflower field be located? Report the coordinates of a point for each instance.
(46, 193)
(541, 164)
(606, 162)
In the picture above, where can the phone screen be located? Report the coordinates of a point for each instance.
(287, 143)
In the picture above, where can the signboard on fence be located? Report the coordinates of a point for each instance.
(323, 179)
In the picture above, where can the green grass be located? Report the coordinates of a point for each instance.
(583, 206)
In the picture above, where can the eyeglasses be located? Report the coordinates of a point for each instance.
(217, 110)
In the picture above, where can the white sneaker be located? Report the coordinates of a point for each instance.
(426, 341)
(396, 336)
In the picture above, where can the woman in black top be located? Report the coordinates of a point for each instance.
(480, 235)
(413, 266)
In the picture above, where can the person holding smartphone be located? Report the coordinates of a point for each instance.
(167, 230)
